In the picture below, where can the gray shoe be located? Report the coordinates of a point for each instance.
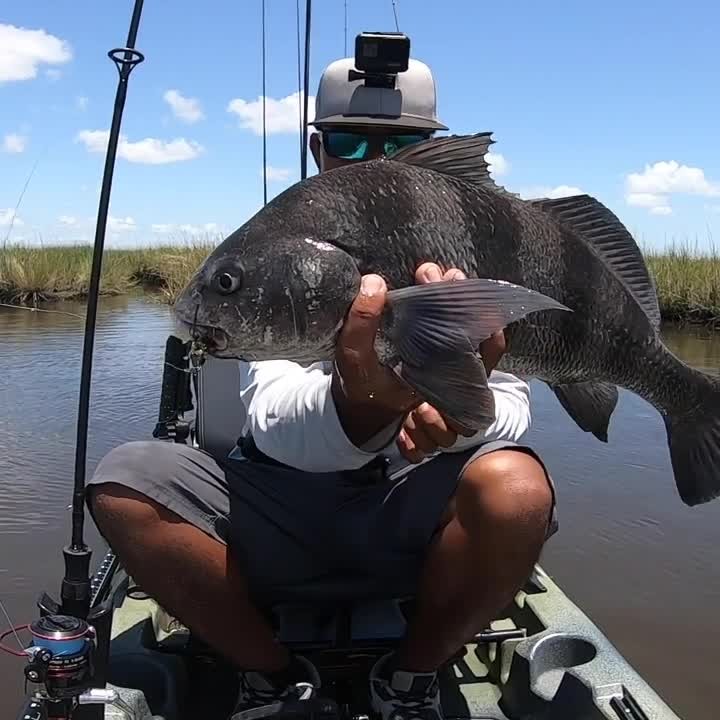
(258, 696)
(404, 695)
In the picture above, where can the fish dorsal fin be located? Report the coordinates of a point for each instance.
(460, 156)
(602, 229)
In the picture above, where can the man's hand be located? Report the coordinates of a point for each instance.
(368, 396)
(425, 429)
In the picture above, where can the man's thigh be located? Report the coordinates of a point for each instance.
(276, 521)
(287, 528)
(404, 520)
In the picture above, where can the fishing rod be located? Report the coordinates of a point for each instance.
(69, 651)
(264, 108)
(75, 591)
(304, 137)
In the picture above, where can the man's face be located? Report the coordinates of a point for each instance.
(336, 146)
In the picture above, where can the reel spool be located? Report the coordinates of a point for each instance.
(61, 656)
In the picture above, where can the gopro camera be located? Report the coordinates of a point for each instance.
(387, 53)
(379, 57)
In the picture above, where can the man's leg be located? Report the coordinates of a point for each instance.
(475, 524)
(494, 533)
(196, 535)
(190, 573)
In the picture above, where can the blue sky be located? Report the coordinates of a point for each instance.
(616, 99)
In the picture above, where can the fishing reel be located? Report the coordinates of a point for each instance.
(62, 666)
(61, 657)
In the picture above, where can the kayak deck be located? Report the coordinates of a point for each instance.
(563, 668)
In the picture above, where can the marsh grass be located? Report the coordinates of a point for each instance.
(688, 281)
(32, 275)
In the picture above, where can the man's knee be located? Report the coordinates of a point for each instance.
(506, 487)
(119, 510)
(115, 505)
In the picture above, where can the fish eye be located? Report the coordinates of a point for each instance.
(226, 282)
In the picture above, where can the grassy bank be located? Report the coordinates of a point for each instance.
(688, 284)
(32, 275)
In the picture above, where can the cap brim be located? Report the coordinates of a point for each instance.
(406, 121)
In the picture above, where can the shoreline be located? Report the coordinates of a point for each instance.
(688, 284)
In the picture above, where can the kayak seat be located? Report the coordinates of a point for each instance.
(220, 414)
(328, 612)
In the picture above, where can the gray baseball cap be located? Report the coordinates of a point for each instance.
(411, 104)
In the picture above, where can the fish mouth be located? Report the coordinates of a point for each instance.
(214, 340)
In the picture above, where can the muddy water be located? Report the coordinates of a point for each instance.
(645, 567)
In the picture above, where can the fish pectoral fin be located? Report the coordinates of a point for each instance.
(456, 387)
(589, 404)
(461, 156)
(437, 329)
(430, 318)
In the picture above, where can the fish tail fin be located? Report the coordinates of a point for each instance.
(437, 328)
(694, 440)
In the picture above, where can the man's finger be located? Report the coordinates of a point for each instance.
(357, 336)
(407, 448)
(417, 432)
(432, 423)
(454, 274)
(492, 350)
(428, 272)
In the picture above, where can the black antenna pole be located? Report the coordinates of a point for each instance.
(264, 111)
(308, 14)
(75, 592)
(299, 81)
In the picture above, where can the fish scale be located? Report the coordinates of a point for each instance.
(563, 277)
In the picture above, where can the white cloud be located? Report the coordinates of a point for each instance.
(184, 108)
(498, 164)
(276, 174)
(282, 116)
(14, 143)
(6, 218)
(653, 187)
(209, 228)
(67, 220)
(558, 191)
(656, 204)
(22, 51)
(116, 224)
(81, 102)
(149, 151)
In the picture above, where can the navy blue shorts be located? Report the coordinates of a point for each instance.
(288, 528)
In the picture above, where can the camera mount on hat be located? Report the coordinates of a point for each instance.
(379, 57)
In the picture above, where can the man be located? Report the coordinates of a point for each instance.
(460, 529)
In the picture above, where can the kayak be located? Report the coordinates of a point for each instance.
(542, 658)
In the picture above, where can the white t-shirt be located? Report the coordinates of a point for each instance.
(292, 418)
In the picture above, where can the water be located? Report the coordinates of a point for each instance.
(640, 563)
